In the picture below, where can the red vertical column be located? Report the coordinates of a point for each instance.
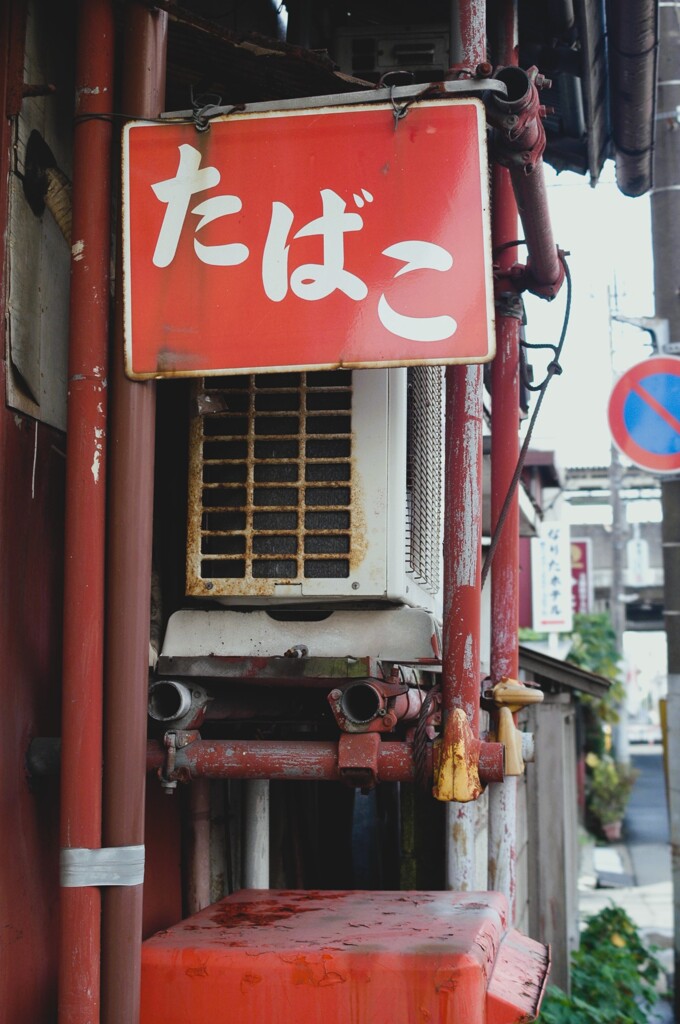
(463, 489)
(132, 439)
(81, 756)
(505, 384)
(462, 552)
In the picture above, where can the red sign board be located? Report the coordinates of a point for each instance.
(306, 239)
(581, 577)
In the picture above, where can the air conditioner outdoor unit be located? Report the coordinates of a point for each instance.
(319, 487)
(369, 52)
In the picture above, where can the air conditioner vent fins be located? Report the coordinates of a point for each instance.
(272, 497)
(424, 457)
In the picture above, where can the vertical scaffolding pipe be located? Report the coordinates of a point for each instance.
(505, 384)
(462, 544)
(198, 847)
(463, 540)
(82, 700)
(472, 15)
(131, 447)
(256, 834)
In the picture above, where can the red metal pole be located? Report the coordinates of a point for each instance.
(505, 385)
(472, 20)
(81, 757)
(505, 404)
(462, 543)
(462, 523)
(296, 759)
(198, 847)
(133, 407)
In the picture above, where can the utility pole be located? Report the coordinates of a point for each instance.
(665, 205)
(617, 608)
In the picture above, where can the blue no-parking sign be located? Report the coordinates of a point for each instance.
(644, 414)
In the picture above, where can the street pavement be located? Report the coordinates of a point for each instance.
(636, 873)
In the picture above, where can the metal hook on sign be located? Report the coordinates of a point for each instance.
(202, 117)
(398, 111)
(203, 108)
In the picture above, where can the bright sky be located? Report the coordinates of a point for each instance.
(608, 236)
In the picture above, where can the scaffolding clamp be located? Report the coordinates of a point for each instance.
(510, 696)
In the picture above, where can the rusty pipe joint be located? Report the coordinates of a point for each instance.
(463, 763)
(518, 144)
(169, 772)
(373, 705)
(520, 136)
(177, 705)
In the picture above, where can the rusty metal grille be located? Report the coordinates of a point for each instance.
(272, 481)
(424, 458)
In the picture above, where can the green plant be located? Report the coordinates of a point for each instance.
(608, 788)
(593, 647)
(612, 978)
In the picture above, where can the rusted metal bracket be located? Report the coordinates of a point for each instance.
(174, 740)
(358, 759)
(450, 88)
(507, 287)
(520, 140)
(508, 697)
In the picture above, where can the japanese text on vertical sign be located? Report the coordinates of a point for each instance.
(551, 579)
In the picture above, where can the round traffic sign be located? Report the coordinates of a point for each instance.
(644, 414)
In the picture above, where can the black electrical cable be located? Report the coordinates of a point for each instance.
(420, 739)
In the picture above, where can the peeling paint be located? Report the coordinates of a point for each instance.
(98, 450)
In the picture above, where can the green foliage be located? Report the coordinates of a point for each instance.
(608, 788)
(612, 977)
(593, 647)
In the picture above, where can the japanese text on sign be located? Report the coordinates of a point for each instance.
(551, 580)
(304, 241)
(311, 281)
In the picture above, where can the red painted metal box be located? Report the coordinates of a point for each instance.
(280, 957)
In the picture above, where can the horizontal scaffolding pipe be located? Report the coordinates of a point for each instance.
(297, 759)
(280, 759)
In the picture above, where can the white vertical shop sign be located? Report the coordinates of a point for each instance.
(551, 579)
